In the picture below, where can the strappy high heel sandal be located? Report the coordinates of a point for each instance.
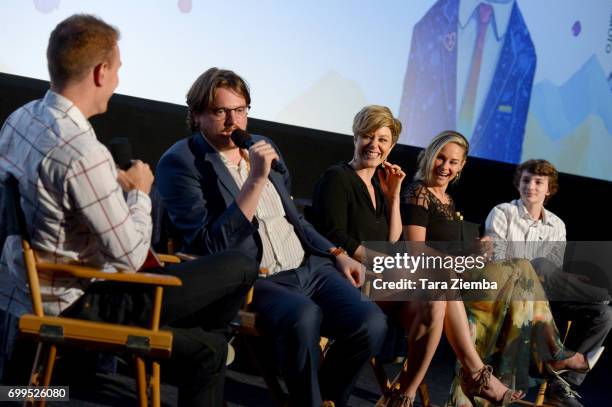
(395, 398)
(398, 399)
(476, 382)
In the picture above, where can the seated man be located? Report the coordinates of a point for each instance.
(530, 231)
(76, 212)
(222, 197)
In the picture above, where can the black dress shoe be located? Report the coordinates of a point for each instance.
(561, 394)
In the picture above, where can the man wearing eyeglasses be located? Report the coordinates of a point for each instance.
(221, 197)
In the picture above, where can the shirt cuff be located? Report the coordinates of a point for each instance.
(139, 198)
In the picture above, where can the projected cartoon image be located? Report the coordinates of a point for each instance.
(520, 78)
(471, 67)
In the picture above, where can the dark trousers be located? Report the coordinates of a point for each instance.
(296, 307)
(198, 314)
(591, 323)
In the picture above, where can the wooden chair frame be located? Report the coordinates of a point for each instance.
(147, 345)
(380, 374)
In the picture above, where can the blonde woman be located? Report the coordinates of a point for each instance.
(500, 325)
(353, 204)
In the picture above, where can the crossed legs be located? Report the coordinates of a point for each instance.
(424, 322)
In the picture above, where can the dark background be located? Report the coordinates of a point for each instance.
(583, 203)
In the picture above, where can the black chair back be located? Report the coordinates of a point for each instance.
(3, 219)
(13, 219)
(165, 238)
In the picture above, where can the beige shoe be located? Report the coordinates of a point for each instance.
(231, 355)
(400, 400)
(395, 399)
(476, 384)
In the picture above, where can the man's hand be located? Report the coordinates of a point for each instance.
(138, 176)
(351, 269)
(261, 155)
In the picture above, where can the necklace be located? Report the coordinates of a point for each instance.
(442, 198)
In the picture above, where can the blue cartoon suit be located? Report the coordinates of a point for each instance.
(430, 85)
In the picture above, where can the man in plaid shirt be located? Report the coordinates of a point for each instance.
(73, 201)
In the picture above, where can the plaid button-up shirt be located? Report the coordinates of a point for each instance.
(75, 210)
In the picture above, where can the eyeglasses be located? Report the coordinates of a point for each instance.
(221, 113)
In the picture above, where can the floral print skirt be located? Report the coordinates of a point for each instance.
(513, 330)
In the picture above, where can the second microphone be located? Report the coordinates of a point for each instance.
(243, 140)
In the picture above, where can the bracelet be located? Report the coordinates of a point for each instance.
(338, 251)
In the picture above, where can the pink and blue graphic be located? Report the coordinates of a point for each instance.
(538, 85)
(184, 6)
(46, 6)
(488, 100)
(576, 28)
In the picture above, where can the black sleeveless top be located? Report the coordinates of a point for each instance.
(421, 207)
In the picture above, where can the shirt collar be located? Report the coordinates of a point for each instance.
(65, 105)
(224, 159)
(523, 213)
(501, 14)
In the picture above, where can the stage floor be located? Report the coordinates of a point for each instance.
(244, 389)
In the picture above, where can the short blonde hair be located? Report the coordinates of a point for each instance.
(373, 117)
(77, 44)
(428, 156)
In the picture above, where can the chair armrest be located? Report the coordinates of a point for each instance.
(248, 298)
(168, 258)
(186, 256)
(248, 323)
(88, 272)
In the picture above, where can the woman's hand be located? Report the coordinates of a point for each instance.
(391, 179)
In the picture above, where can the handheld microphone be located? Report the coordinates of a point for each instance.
(243, 140)
(121, 150)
